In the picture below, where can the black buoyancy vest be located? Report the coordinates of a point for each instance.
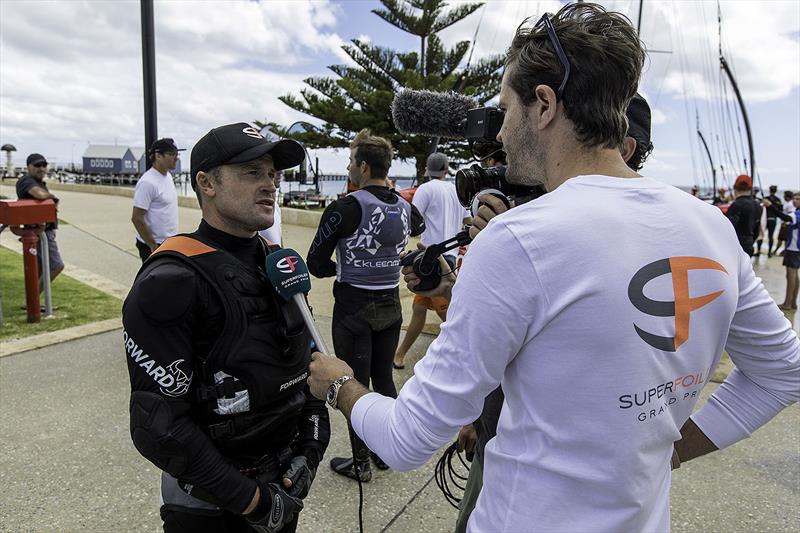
(258, 366)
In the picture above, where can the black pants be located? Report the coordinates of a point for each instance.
(771, 223)
(366, 330)
(144, 250)
(180, 522)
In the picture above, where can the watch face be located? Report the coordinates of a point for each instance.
(331, 396)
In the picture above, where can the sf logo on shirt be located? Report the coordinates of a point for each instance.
(681, 307)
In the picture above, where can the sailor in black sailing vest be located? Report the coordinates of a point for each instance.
(218, 362)
(367, 229)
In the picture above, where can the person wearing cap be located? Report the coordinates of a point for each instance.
(367, 230)
(600, 307)
(32, 186)
(217, 360)
(155, 200)
(745, 213)
(437, 201)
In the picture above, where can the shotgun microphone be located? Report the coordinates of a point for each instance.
(432, 114)
(288, 273)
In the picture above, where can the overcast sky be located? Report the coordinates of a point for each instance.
(71, 73)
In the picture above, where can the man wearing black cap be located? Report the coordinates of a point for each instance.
(155, 201)
(31, 186)
(217, 362)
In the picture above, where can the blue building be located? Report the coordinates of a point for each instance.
(109, 159)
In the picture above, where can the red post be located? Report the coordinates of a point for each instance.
(27, 218)
(29, 260)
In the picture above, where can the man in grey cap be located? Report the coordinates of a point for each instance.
(437, 201)
(31, 186)
(218, 361)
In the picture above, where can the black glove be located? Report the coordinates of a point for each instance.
(275, 509)
(301, 476)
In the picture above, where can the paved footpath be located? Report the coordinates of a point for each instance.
(67, 463)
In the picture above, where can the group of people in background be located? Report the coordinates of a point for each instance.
(754, 219)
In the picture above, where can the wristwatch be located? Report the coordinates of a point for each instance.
(333, 391)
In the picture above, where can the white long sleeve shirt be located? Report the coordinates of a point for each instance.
(574, 312)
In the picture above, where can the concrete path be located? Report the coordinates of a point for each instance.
(67, 463)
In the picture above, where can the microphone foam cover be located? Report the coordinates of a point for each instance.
(288, 273)
(430, 113)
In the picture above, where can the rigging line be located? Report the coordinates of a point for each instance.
(681, 63)
(475, 37)
(727, 127)
(726, 141)
(708, 65)
(721, 115)
(731, 114)
(666, 70)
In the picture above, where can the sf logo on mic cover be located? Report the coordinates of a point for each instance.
(287, 264)
(683, 304)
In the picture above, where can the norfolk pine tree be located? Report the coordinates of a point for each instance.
(360, 96)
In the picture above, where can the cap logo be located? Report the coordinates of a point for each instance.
(250, 131)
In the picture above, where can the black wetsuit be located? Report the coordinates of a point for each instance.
(745, 215)
(209, 417)
(366, 323)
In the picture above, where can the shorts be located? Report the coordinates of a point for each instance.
(56, 263)
(437, 303)
(791, 259)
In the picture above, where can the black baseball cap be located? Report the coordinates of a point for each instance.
(35, 158)
(639, 120)
(163, 146)
(240, 143)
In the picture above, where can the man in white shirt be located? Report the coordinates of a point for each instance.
(437, 201)
(791, 257)
(273, 233)
(155, 200)
(602, 354)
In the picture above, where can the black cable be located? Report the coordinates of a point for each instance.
(357, 470)
(447, 476)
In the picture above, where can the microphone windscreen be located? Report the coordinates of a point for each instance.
(288, 273)
(431, 114)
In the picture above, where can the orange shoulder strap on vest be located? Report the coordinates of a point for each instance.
(184, 245)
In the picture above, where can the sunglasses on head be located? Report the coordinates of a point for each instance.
(40, 165)
(562, 57)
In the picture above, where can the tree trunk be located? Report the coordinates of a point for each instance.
(421, 163)
(422, 57)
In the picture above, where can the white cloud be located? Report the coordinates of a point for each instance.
(72, 71)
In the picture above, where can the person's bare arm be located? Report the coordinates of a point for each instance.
(41, 194)
(693, 443)
(141, 227)
(323, 371)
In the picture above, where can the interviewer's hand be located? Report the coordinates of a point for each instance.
(467, 438)
(323, 371)
(445, 285)
(491, 206)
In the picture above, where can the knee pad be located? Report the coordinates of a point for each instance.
(152, 433)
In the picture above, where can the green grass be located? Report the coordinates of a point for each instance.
(77, 303)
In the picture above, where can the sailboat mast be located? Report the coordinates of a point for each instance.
(711, 162)
(744, 114)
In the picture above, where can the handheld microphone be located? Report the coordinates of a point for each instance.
(432, 114)
(288, 273)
